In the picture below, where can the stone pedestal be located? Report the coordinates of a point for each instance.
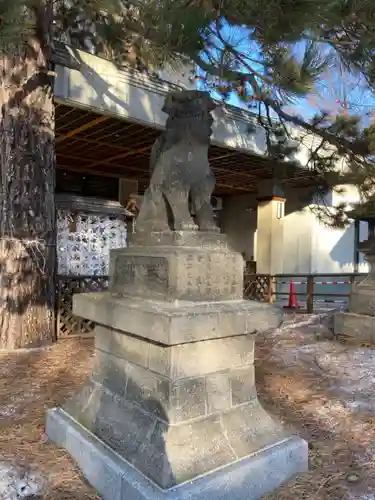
(359, 322)
(191, 266)
(171, 409)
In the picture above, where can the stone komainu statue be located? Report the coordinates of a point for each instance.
(180, 172)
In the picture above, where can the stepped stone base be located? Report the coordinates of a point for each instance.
(358, 326)
(115, 479)
(153, 417)
(148, 402)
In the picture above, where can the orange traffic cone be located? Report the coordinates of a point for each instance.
(293, 301)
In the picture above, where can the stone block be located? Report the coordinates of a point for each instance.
(211, 356)
(128, 347)
(218, 392)
(197, 448)
(111, 372)
(159, 358)
(194, 359)
(86, 413)
(188, 239)
(122, 425)
(149, 390)
(177, 323)
(357, 326)
(249, 428)
(103, 339)
(242, 382)
(170, 273)
(362, 301)
(251, 477)
(188, 399)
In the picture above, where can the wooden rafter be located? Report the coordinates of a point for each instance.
(120, 156)
(82, 128)
(106, 173)
(98, 143)
(219, 157)
(103, 162)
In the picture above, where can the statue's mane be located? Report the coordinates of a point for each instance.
(183, 122)
(176, 130)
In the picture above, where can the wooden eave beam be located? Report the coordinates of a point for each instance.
(82, 128)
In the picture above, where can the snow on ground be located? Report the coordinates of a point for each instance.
(350, 370)
(18, 483)
(330, 387)
(348, 373)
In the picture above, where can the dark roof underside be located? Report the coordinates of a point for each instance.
(91, 146)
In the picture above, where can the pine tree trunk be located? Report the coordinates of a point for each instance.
(27, 203)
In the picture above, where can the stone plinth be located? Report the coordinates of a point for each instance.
(360, 327)
(359, 322)
(362, 300)
(179, 322)
(177, 273)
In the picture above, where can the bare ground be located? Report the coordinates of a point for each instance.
(321, 389)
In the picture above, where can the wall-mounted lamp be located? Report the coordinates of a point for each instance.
(280, 209)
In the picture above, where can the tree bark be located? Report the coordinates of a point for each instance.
(27, 203)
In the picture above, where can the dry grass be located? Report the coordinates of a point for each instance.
(32, 382)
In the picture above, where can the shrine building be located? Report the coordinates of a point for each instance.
(107, 120)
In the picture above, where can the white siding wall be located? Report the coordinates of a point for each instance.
(308, 247)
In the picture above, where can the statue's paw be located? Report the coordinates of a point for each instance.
(161, 229)
(185, 227)
(209, 228)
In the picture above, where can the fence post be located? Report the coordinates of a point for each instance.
(310, 294)
(352, 286)
(58, 309)
(271, 289)
(352, 283)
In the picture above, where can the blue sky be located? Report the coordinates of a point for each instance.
(332, 90)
